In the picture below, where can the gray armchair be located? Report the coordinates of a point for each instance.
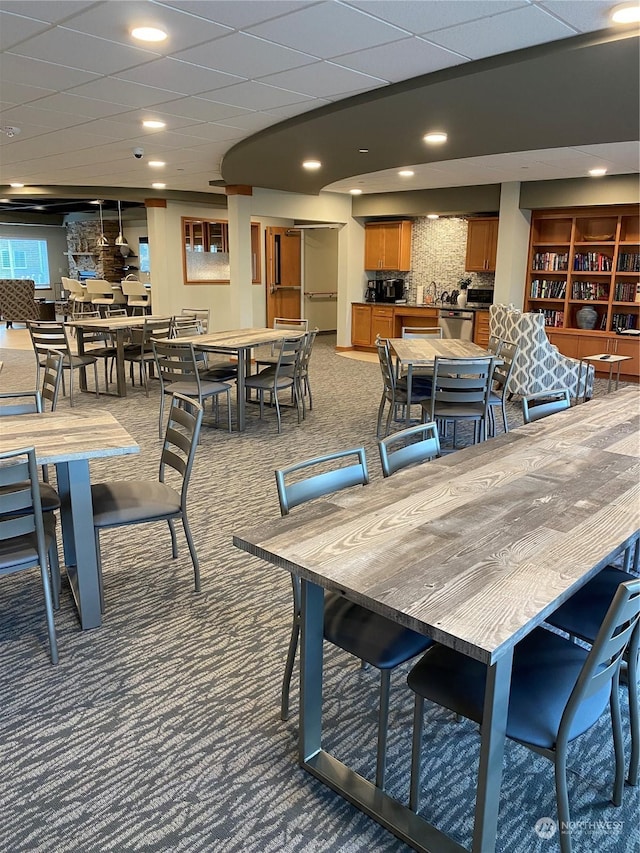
(17, 300)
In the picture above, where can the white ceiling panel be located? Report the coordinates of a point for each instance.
(176, 76)
(246, 56)
(324, 79)
(122, 92)
(239, 15)
(18, 93)
(400, 60)
(184, 29)
(204, 131)
(199, 109)
(331, 29)
(34, 72)
(256, 96)
(81, 51)
(32, 121)
(45, 10)
(77, 105)
(418, 17)
(15, 28)
(523, 27)
(583, 16)
(286, 112)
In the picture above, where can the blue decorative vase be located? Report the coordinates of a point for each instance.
(586, 317)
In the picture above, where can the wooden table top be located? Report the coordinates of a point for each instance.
(65, 437)
(114, 323)
(475, 549)
(423, 351)
(237, 339)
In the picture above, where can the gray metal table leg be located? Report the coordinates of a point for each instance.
(78, 539)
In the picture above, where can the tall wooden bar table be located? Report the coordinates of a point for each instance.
(69, 441)
(240, 342)
(474, 549)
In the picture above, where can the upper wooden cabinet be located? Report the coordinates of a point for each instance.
(387, 245)
(482, 243)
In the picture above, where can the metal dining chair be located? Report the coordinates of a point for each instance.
(53, 336)
(536, 406)
(366, 635)
(409, 446)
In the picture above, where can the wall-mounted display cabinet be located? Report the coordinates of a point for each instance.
(584, 276)
(387, 245)
(206, 251)
(482, 244)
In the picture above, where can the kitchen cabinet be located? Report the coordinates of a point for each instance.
(594, 343)
(387, 245)
(381, 322)
(482, 244)
(481, 329)
(360, 325)
(586, 258)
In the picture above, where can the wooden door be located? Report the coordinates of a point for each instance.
(284, 272)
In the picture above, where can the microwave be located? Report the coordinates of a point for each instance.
(479, 297)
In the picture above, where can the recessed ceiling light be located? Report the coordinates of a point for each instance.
(158, 186)
(433, 216)
(627, 13)
(355, 192)
(406, 173)
(597, 173)
(16, 186)
(156, 164)
(363, 150)
(153, 124)
(148, 34)
(312, 164)
(435, 137)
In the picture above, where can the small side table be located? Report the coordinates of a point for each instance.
(608, 359)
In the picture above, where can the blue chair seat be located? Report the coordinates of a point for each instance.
(583, 613)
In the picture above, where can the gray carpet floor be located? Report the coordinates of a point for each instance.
(160, 731)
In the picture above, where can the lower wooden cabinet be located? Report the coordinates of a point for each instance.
(581, 345)
(360, 325)
(381, 322)
(481, 329)
(368, 320)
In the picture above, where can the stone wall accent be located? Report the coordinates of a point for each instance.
(86, 256)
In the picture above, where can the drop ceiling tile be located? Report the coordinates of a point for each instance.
(199, 109)
(585, 17)
(255, 121)
(176, 76)
(424, 16)
(246, 56)
(255, 96)
(400, 60)
(81, 51)
(328, 29)
(286, 112)
(31, 119)
(183, 29)
(34, 72)
(324, 79)
(216, 132)
(116, 91)
(45, 10)
(77, 105)
(624, 154)
(18, 93)
(501, 33)
(16, 28)
(239, 15)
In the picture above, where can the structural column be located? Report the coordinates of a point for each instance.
(513, 246)
(240, 266)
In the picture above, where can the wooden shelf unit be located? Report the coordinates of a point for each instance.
(587, 257)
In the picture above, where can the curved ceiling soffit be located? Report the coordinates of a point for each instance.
(551, 96)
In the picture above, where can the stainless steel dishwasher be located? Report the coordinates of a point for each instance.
(456, 323)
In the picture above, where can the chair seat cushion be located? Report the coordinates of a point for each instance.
(546, 667)
(21, 551)
(369, 636)
(583, 613)
(130, 501)
(190, 389)
(49, 498)
(266, 380)
(459, 410)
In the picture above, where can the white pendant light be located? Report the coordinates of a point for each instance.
(120, 240)
(102, 240)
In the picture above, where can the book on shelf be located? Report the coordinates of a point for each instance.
(592, 262)
(629, 262)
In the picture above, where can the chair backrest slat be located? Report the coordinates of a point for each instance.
(413, 449)
(181, 439)
(26, 403)
(544, 403)
(291, 494)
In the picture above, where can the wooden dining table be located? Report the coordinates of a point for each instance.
(475, 550)
(119, 328)
(239, 343)
(69, 441)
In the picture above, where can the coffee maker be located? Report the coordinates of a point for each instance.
(393, 290)
(371, 293)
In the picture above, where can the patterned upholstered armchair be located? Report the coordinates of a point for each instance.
(17, 300)
(538, 366)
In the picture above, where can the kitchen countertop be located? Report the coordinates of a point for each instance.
(432, 305)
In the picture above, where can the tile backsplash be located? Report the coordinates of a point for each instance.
(438, 251)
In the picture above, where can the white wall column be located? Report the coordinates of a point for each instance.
(239, 211)
(351, 277)
(159, 247)
(513, 247)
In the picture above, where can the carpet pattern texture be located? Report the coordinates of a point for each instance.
(160, 731)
